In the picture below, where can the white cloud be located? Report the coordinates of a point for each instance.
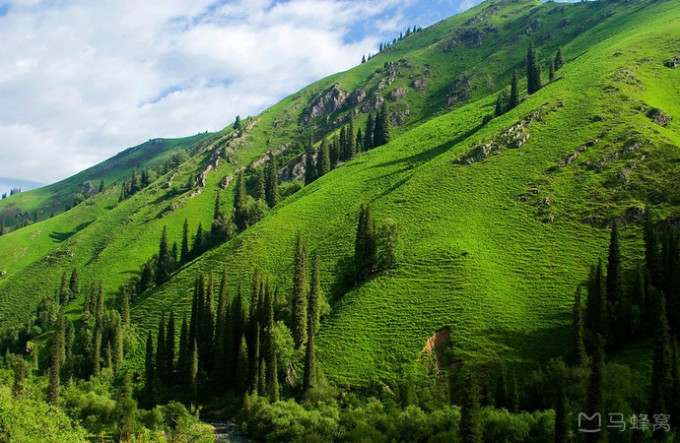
(82, 80)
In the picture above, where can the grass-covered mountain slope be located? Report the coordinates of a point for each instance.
(495, 234)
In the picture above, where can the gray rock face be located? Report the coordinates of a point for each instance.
(419, 84)
(398, 93)
(326, 102)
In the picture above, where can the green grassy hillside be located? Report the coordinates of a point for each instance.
(494, 249)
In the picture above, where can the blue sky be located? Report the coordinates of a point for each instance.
(81, 80)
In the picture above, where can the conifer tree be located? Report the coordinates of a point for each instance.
(351, 140)
(149, 369)
(241, 379)
(240, 216)
(101, 186)
(359, 141)
(272, 183)
(183, 357)
(53, 387)
(559, 59)
(652, 255)
(74, 284)
(237, 123)
(262, 378)
(533, 71)
(595, 394)
(334, 153)
(343, 144)
(561, 422)
(192, 381)
(617, 306)
(63, 290)
(368, 134)
(125, 308)
(300, 289)
(579, 350)
(309, 380)
(160, 346)
(221, 331)
(60, 338)
(217, 212)
(500, 104)
(164, 264)
(260, 187)
(662, 375)
(184, 255)
(596, 314)
(382, 128)
(117, 357)
(470, 419)
(514, 91)
(236, 330)
(2, 226)
(365, 248)
(551, 71)
(170, 349)
(199, 242)
(323, 161)
(310, 167)
(96, 351)
(207, 327)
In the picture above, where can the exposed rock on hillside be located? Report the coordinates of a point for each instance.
(398, 93)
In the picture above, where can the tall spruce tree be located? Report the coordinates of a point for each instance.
(382, 128)
(365, 247)
(60, 337)
(207, 327)
(192, 381)
(533, 71)
(501, 104)
(652, 253)
(514, 91)
(323, 162)
(559, 59)
(149, 372)
(578, 351)
(662, 375)
(596, 310)
(241, 379)
(164, 263)
(168, 369)
(595, 394)
(221, 331)
(262, 378)
(310, 167)
(368, 134)
(351, 140)
(272, 183)
(236, 330)
(125, 308)
(96, 351)
(334, 152)
(183, 357)
(309, 380)
(160, 347)
(618, 306)
(64, 295)
(117, 357)
(470, 416)
(74, 284)
(300, 290)
(260, 193)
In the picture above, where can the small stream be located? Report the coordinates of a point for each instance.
(226, 431)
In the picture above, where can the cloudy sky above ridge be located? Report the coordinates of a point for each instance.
(81, 80)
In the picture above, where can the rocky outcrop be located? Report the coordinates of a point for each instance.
(419, 84)
(659, 117)
(373, 104)
(326, 102)
(294, 169)
(398, 93)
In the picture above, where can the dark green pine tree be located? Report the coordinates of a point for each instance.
(579, 355)
(652, 253)
(168, 369)
(662, 374)
(241, 379)
(64, 290)
(164, 263)
(561, 421)
(237, 123)
(236, 330)
(310, 167)
(300, 290)
(74, 284)
(559, 59)
(323, 162)
(53, 386)
(271, 362)
(223, 307)
(501, 104)
(618, 309)
(262, 378)
(551, 71)
(149, 372)
(184, 254)
(272, 183)
(146, 277)
(514, 91)
(253, 331)
(96, 351)
(359, 141)
(382, 128)
(101, 186)
(192, 379)
(533, 71)
(596, 309)
(260, 193)
(217, 211)
(595, 395)
(368, 134)
(343, 144)
(351, 140)
(161, 355)
(309, 380)
(60, 337)
(117, 356)
(199, 242)
(125, 308)
(183, 357)
(174, 257)
(207, 328)
(365, 248)
(470, 417)
(334, 152)
(240, 215)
